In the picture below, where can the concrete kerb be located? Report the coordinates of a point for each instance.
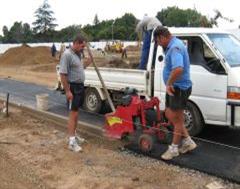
(57, 119)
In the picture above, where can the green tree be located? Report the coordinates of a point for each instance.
(27, 33)
(18, 33)
(44, 19)
(123, 28)
(174, 16)
(68, 33)
(5, 30)
(96, 20)
(15, 34)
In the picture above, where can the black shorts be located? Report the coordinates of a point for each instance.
(77, 90)
(179, 100)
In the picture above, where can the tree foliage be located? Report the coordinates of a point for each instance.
(18, 33)
(44, 19)
(96, 20)
(176, 17)
(122, 28)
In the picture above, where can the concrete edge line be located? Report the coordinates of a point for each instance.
(60, 120)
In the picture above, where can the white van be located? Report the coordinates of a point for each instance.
(215, 73)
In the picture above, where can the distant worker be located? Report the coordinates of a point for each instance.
(59, 86)
(62, 49)
(145, 28)
(124, 51)
(53, 50)
(176, 76)
(73, 77)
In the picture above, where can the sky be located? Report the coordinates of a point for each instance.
(69, 12)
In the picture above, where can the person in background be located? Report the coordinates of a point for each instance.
(124, 51)
(176, 76)
(73, 77)
(59, 86)
(53, 50)
(62, 49)
(145, 27)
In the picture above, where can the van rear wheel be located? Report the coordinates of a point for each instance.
(193, 119)
(92, 101)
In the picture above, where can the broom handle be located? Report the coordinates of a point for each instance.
(101, 79)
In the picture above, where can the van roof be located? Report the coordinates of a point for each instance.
(188, 30)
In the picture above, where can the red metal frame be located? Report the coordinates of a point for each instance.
(120, 123)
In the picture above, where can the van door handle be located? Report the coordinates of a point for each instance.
(217, 90)
(147, 75)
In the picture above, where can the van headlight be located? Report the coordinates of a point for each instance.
(233, 93)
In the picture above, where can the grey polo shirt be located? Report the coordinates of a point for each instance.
(72, 65)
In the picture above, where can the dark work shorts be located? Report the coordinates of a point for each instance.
(179, 100)
(77, 90)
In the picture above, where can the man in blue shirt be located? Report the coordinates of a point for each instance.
(176, 76)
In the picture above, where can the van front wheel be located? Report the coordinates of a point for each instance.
(193, 119)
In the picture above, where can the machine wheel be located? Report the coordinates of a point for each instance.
(193, 119)
(92, 101)
(146, 143)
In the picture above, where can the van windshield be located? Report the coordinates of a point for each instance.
(228, 46)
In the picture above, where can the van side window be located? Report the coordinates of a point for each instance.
(208, 54)
(201, 54)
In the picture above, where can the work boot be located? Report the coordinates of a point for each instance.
(73, 145)
(79, 139)
(170, 153)
(187, 145)
(56, 88)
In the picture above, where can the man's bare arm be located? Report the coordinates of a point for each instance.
(175, 74)
(65, 82)
(66, 86)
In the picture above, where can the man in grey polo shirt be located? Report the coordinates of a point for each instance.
(73, 77)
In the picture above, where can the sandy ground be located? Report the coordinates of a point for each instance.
(31, 74)
(34, 154)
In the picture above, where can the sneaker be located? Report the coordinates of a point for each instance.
(74, 146)
(187, 147)
(170, 153)
(79, 139)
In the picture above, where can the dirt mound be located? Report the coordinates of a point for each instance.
(117, 63)
(25, 55)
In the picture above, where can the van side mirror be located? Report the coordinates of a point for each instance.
(160, 58)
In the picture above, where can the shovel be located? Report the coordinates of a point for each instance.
(101, 79)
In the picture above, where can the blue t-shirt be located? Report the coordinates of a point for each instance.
(176, 55)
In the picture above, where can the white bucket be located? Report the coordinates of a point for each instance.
(42, 102)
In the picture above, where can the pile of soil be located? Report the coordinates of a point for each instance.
(115, 62)
(25, 55)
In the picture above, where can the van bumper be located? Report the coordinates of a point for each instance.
(234, 113)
